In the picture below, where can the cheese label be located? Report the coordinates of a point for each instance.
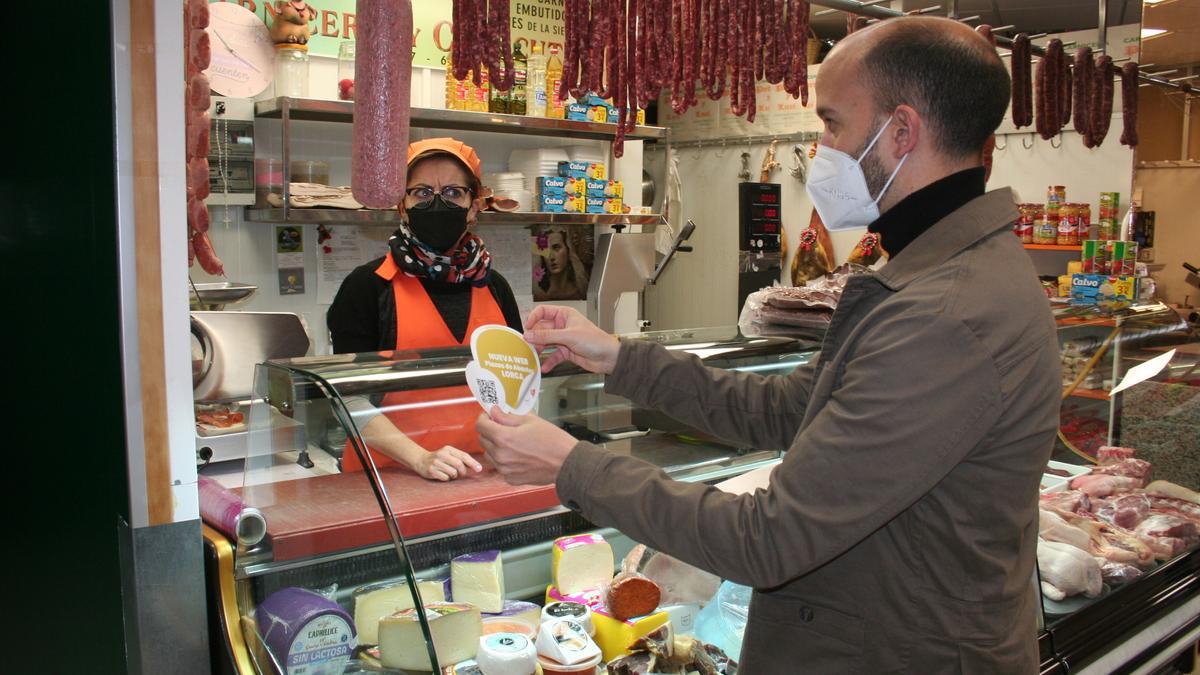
(505, 370)
(322, 648)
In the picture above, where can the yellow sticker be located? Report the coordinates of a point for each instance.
(506, 370)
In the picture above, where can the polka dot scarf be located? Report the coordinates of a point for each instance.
(469, 263)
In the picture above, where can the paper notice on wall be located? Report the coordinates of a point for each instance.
(341, 248)
(509, 247)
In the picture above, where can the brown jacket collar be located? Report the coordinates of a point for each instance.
(977, 219)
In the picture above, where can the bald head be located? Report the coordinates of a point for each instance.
(943, 69)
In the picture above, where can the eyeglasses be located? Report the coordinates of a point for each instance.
(455, 194)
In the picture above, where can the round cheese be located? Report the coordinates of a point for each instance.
(307, 633)
(506, 654)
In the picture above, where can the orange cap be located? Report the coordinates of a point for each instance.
(455, 148)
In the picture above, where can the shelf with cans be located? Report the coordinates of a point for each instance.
(288, 109)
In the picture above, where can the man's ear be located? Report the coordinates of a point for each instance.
(907, 130)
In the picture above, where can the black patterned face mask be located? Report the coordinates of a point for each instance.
(469, 261)
(438, 224)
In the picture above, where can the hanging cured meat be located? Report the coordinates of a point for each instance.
(198, 53)
(1022, 84)
(1129, 103)
(381, 105)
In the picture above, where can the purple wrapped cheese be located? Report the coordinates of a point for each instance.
(306, 632)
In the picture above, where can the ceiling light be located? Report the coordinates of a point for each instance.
(1148, 33)
(1154, 2)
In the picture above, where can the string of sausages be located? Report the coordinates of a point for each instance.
(488, 25)
(631, 51)
(197, 55)
(1079, 91)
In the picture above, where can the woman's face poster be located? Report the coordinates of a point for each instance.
(562, 261)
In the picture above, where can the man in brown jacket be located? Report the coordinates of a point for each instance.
(899, 532)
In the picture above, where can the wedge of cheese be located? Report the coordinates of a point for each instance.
(581, 563)
(372, 603)
(478, 578)
(613, 636)
(455, 628)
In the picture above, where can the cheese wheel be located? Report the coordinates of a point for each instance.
(306, 632)
(506, 654)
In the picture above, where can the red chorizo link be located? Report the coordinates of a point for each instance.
(1081, 90)
(1129, 101)
(504, 37)
(1102, 95)
(691, 64)
(1064, 96)
(205, 254)
(1042, 123)
(802, 41)
(1022, 94)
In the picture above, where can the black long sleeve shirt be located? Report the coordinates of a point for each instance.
(362, 317)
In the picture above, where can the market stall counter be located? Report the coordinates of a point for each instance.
(332, 539)
(349, 555)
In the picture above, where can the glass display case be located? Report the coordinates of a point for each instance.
(1122, 478)
(334, 537)
(341, 544)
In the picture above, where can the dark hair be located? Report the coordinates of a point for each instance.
(472, 181)
(958, 85)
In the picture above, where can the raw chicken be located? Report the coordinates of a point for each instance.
(1052, 527)
(1066, 570)
(1102, 485)
(1125, 510)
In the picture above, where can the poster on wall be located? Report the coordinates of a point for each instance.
(289, 259)
(562, 261)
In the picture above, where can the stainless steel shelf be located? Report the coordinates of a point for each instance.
(343, 111)
(381, 217)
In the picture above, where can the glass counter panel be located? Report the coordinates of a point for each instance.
(1114, 510)
(337, 533)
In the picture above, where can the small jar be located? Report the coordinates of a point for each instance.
(291, 70)
(346, 71)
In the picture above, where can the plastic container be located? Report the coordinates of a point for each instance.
(578, 612)
(346, 71)
(504, 624)
(552, 667)
(268, 178)
(291, 70)
(310, 171)
(536, 85)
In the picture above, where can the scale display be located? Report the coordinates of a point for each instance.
(760, 216)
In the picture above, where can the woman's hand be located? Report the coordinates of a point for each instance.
(575, 338)
(525, 449)
(446, 464)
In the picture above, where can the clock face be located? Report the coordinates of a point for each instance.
(243, 58)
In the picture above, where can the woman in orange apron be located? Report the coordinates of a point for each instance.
(433, 289)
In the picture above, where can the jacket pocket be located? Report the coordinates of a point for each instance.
(823, 638)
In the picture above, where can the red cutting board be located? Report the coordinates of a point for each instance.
(325, 514)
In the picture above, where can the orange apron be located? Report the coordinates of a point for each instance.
(420, 414)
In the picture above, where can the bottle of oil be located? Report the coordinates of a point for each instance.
(453, 95)
(555, 106)
(480, 94)
(497, 100)
(517, 95)
(536, 87)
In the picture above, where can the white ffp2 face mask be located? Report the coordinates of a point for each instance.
(838, 188)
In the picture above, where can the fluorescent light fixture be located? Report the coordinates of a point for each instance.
(1153, 2)
(1148, 33)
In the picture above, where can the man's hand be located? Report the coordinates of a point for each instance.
(525, 449)
(577, 340)
(446, 464)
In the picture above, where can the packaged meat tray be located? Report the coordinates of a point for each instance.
(1072, 470)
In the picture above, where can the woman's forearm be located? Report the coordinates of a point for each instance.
(382, 436)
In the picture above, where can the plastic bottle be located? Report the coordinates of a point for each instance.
(536, 87)
(517, 95)
(555, 107)
(455, 89)
(497, 100)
